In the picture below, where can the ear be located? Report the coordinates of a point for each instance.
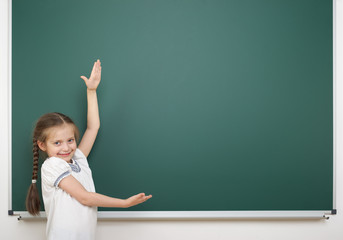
(41, 145)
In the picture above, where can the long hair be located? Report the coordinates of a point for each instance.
(40, 133)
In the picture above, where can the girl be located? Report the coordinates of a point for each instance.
(68, 190)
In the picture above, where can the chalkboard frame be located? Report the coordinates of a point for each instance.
(151, 215)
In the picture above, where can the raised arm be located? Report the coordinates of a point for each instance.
(93, 119)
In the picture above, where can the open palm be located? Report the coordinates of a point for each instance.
(95, 77)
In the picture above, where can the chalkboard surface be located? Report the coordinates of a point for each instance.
(206, 105)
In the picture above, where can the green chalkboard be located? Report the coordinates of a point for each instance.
(205, 104)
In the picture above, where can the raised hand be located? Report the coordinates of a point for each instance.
(93, 119)
(95, 77)
(137, 199)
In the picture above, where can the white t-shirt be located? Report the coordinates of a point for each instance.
(67, 218)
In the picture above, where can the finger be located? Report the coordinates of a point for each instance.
(93, 71)
(96, 67)
(84, 79)
(145, 196)
(141, 195)
(148, 197)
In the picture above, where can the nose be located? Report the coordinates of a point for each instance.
(65, 147)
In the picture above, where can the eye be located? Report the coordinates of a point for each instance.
(57, 143)
(71, 140)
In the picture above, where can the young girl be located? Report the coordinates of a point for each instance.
(68, 190)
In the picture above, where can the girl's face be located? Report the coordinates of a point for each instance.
(60, 142)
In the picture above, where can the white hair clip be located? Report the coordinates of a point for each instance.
(34, 180)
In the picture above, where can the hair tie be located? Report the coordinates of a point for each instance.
(34, 180)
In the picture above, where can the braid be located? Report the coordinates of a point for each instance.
(32, 198)
(35, 151)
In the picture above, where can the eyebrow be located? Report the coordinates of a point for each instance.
(60, 140)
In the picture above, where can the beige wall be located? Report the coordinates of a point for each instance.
(331, 229)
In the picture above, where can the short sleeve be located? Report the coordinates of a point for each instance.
(54, 170)
(79, 156)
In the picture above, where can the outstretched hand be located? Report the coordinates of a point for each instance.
(137, 199)
(95, 77)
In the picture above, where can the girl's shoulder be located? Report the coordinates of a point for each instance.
(54, 162)
(78, 155)
(54, 170)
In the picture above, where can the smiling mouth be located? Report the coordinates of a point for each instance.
(64, 154)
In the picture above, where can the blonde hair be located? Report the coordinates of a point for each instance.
(40, 133)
